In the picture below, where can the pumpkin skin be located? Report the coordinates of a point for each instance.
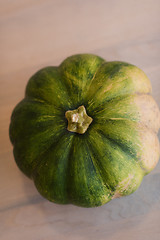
(119, 147)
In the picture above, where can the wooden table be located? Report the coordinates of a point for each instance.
(34, 34)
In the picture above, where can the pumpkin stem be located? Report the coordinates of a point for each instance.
(78, 120)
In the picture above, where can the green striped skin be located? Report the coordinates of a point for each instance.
(119, 147)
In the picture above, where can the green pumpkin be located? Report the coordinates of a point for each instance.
(86, 131)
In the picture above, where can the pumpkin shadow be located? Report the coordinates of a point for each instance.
(68, 221)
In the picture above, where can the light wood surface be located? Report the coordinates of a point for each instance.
(37, 33)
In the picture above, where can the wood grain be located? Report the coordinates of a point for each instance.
(40, 33)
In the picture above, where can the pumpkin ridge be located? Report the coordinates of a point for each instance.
(41, 101)
(61, 79)
(109, 78)
(138, 154)
(56, 160)
(97, 168)
(34, 161)
(94, 77)
(35, 110)
(68, 173)
(33, 100)
(24, 133)
(54, 143)
(110, 83)
(67, 86)
(122, 146)
(48, 79)
(131, 107)
(76, 73)
(80, 171)
(116, 98)
(126, 159)
(100, 108)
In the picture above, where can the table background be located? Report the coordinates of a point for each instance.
(34, 34)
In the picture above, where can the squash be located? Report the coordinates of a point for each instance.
(86, 131)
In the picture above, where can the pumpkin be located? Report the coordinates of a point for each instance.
(86, 131)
